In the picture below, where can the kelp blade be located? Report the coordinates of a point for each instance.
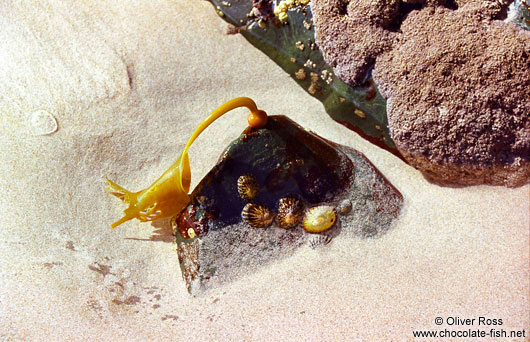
(291, 45)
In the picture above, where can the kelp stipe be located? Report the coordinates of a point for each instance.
(168, 195)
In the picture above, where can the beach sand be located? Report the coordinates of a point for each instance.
(127, 82)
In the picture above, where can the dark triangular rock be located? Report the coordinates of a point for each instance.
(282, 160)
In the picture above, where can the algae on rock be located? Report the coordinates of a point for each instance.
(292, 46)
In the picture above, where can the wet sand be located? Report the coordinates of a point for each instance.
(127, 83)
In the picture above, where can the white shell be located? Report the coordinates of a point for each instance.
(344, 207)
(43, 123)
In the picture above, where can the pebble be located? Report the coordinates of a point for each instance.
(344, 207)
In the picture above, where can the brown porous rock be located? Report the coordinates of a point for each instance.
(456, 79)
(352, 34)
(457, 100)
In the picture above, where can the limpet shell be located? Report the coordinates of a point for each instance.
(319, 218)
(257, 215)
(290, 212)
(247, 187)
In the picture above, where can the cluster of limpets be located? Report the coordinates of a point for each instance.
(290, 210)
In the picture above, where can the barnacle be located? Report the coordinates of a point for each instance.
(290, 211)
(247, 187)
(257, 215)
(280, 11)
(168, 195)
(191, 233)
(319, 219)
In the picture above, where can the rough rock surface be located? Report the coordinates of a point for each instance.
(456, 101)
(352, 34)
(455, 80)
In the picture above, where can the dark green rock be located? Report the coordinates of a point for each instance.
(286, 160)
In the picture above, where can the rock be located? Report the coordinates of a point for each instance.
(457, 102)
(351, 34)
(215, 245)
(455, 78)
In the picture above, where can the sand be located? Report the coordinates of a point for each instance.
(126, 83)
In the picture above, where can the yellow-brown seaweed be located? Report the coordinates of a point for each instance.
(168, 195)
